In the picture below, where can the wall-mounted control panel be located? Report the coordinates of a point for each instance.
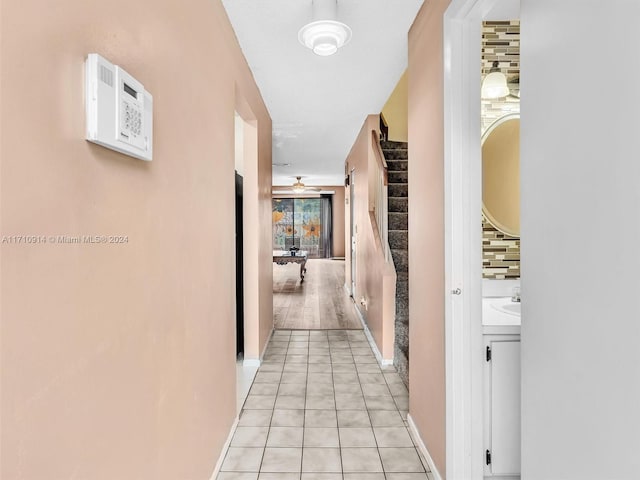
(119, 110)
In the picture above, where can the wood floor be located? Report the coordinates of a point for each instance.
(320, 302)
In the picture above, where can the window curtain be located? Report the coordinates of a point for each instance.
(326, 212)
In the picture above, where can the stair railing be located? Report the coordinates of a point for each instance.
(384, 128)
(381, 200)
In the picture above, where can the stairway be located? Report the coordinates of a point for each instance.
(396, 156)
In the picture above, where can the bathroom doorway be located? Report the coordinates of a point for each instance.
(500, 157)
(466, 457)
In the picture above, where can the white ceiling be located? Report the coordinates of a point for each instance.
(318, 104)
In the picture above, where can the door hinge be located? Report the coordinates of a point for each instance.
(487, 457)
(488, 354)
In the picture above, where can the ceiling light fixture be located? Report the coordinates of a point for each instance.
(324, 35)
(494, 84)
(298, 187)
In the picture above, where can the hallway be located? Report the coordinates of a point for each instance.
(320, 302)
(321, 407)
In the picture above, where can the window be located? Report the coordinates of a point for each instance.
(304, 223)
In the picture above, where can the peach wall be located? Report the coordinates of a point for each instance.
(375, 278)
(118, 361)
(338, 221)
(426, 232)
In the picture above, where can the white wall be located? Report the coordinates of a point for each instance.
(580, 174)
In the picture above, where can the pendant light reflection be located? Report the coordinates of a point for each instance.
(494, 84)
(324, 35)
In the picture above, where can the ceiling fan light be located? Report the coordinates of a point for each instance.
(298, 187)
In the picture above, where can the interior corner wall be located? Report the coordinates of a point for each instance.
(426, 232)
(580, 328)
(118, 359)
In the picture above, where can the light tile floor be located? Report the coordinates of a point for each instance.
(244, 379)
(321, 408)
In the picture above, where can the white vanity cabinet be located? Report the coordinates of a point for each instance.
(502, 402)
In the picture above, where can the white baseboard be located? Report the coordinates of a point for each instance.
(417, 439)
(382, 361)
(251, 362)
(256, 362)
(266, 344)
(223, 453)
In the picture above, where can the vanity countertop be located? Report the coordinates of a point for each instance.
(500, 315)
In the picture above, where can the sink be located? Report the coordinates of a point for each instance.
(500, 312)
(509, 307)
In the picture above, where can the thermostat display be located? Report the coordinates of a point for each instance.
(119, 110)
(130, 91)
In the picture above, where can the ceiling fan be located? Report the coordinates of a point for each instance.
(298, 187)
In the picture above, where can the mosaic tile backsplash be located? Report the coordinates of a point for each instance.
(501, 42)
(500, 254)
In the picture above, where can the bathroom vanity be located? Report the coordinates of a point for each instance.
(501, 343)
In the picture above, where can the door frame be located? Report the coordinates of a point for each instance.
(463, 233)
(247, 149)
(354, 231)
(239, 266)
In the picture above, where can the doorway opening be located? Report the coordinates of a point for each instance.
(239, 171)
(246, 251)
(309, 274)
(239, 270)
(464, 362)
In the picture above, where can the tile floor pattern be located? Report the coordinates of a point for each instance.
(321, 408)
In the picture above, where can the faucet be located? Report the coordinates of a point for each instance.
(515, 295)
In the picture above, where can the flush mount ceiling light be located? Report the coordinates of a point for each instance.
(494, 84)
(324, 35)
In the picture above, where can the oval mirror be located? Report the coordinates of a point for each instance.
(501, 174)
